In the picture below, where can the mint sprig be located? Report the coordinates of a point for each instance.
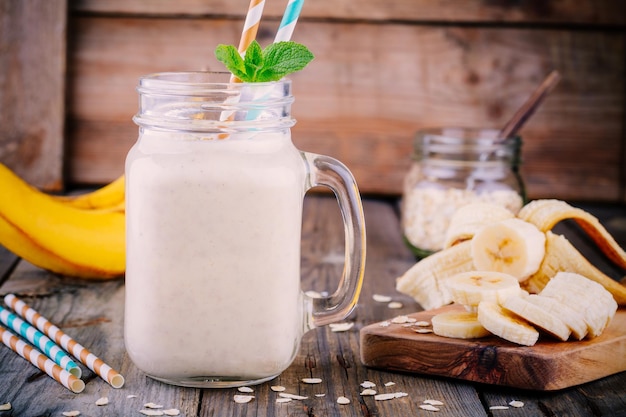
(262, 65)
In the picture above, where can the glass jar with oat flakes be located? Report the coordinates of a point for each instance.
(453, 167)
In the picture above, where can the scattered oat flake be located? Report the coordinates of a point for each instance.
(320, 395)
(401, 394)
(5, 407)
(343, 400)
(381, 298)
(341, 327)
(152, 405)
(422, 323)
(384, 397)
(433, 402)
(277, 388)
(292, 396)
(498, 407)
(400, 319)
(394, 305)
(312, 380)
(171, 412)
(102, 401)
(384, 323)
(368, 384)
(428, 407)
(242, 399)
(389, 384)
(368, 391)
(245, 389)
(516, 404)
(131, 396)
(283, 400)
(422, 330)
(151, 412)
(71, 413)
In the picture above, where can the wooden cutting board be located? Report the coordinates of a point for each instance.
(548, 365)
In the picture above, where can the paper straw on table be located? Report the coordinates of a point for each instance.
(41, 361)
(81, 353)
(290, 18)
(40, 340)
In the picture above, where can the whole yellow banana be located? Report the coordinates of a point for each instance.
(55, 235)
(110, 196)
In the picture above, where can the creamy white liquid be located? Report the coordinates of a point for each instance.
(213, 257)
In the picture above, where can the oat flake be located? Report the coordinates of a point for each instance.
(368, 384)
(422, 323)
(131, 396)
(428, 407)
(312, 380)
(433, 402)
(151, 412)
(516, 404)
(320, 395)
(102, 401)
(152, 405)
(384, 323)
(498, 407)
(384, 397)
(341, 327)
(368, 391)
(242, 399)
(277, 388)
(171, 412)
(389, 384)
(423, 331)
(71, 413)
(394, 305)
(292, 396)
(283, 400)
(343, 400)
(381, 298)
(400, 319)
(5, 407)
(245, 389)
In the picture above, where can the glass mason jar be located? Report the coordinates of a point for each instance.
(453, 167)
(215, 190)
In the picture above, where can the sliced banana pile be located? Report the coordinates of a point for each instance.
(484, 239)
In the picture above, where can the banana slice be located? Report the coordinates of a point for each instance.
(546, 213)
(512, 246)
(469, 219)
(537, 316)
(459, 325)
(506, 325)
(470, 288)
(562, 256)
(424, 280)
(571, 317)
(594, 302)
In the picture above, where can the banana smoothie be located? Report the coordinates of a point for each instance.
(213, 273)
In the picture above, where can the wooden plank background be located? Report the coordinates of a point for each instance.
(382, 71)
(32, 89)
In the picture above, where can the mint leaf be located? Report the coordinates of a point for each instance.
(229, 56)
(276, 61)
(253, 60)
(284, 58)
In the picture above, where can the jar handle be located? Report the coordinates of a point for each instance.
(329, 172)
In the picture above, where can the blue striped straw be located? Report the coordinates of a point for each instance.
(290, 18)
(40, 340)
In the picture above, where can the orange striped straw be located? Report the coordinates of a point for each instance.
(250, 28)
(41, 361)
(90, 360)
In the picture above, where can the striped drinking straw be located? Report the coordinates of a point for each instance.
(290, 18)
(81, 353)
(40, 340)
(250, 28)
(41, 361)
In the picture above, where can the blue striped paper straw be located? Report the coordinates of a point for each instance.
(290, 18)
(40, 340)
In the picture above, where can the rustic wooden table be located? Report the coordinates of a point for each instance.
(92, 313)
